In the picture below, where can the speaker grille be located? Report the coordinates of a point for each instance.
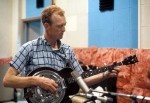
(39, 3)
(106, 5)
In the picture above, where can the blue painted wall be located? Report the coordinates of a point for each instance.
(32, 11)
(116, 28)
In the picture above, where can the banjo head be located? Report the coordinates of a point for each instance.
(39, 95)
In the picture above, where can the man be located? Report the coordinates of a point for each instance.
(46, 51)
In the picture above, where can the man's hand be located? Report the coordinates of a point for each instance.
(46, 83)
(112, 73)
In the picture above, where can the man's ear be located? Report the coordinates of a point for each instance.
(46, 25)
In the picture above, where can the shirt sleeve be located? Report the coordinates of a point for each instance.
(21, 58)
(74, 62)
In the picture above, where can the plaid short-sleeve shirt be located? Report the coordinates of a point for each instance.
(39, 53)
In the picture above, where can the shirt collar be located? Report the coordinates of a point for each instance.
(46, 43)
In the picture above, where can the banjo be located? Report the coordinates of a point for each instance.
(66, 84)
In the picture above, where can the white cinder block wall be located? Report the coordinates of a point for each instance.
(144, 24)
(5, 28)
(76, 12)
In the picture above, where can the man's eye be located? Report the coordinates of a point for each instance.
(60, 26)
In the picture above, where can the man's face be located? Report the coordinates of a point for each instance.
(57, 27)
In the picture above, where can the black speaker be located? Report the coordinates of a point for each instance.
(39, 3)
(106, 5)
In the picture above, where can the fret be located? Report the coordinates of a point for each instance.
(109, 68)
(96, 71)
(99, 70)
(103, 69)
(86, 74)
(120, 63)
(89, 74)
(83, 75)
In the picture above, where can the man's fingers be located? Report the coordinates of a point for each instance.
(117, 68)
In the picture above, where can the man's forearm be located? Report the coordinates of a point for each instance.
(11, 79)
(19, 82)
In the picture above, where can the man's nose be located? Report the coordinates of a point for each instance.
(63, 29)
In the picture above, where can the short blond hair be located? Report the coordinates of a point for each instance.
(47, 13)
